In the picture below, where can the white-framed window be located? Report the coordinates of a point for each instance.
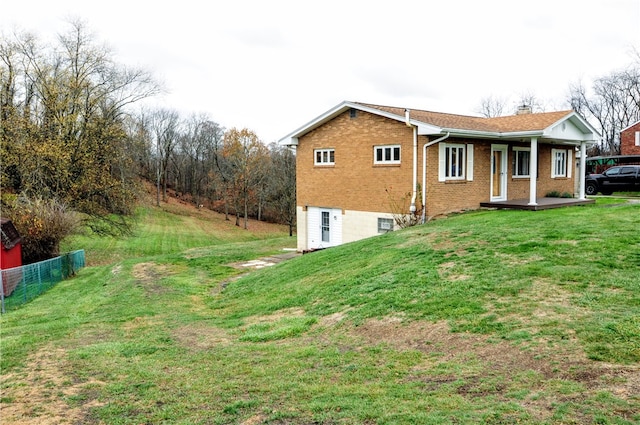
(385, 225)
(560, 163)
(324, 157)
(521, 161)
(455, 162)
(386, 154)
(637, 138)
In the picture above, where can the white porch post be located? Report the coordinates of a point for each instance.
(583, 168)
(533, 172)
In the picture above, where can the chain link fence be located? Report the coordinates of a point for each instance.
(20, 285)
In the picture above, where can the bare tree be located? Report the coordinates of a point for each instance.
(530, 101)
(614, 104)
(165, 123)
(282, 185)
(491, 107)
(200, 141)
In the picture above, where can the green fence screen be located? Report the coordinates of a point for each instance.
(20, 285)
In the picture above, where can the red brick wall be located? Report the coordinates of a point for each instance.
(628, 140)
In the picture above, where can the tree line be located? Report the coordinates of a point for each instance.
(227, 170)
(76, 146)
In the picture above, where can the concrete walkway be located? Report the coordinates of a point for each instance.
(266, 261)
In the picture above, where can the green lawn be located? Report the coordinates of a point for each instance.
(485, 317)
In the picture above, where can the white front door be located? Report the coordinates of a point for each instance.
(499, 172)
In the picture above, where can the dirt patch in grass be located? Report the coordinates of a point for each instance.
(254, 420)
(201, 336)
(514, 260)
(332, 319)
(147, 275)
(541, 305)
(45, 393)
(445, 272)
(420, 238)
(487, 366)
(138, 323)
(275, 316)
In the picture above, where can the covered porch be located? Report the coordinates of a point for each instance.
(539, 204)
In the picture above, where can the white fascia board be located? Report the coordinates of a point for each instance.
(426, 129)
(472, 133)
(542, 136)
(288, 141)
(522, 134)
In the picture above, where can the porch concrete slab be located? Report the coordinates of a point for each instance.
(542, 203)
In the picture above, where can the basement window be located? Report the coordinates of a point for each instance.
(385, 225)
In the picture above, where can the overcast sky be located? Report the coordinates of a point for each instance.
(273, 65)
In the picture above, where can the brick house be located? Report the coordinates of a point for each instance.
(361, 166)
(630, 140)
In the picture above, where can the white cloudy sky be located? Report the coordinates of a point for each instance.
(273, 65)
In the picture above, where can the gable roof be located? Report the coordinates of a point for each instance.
(542, 125)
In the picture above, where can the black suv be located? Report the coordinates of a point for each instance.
(622, 178)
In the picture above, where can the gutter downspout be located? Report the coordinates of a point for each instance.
(412, 207)
(424, 174)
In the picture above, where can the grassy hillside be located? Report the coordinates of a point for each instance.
(485, 317)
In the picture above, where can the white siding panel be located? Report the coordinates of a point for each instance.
(314, 238)
(301, 230)
(336, 227)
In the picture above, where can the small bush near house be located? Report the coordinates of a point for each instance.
(43, 224)
(557, 194)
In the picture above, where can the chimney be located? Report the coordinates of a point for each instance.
(524, 109)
